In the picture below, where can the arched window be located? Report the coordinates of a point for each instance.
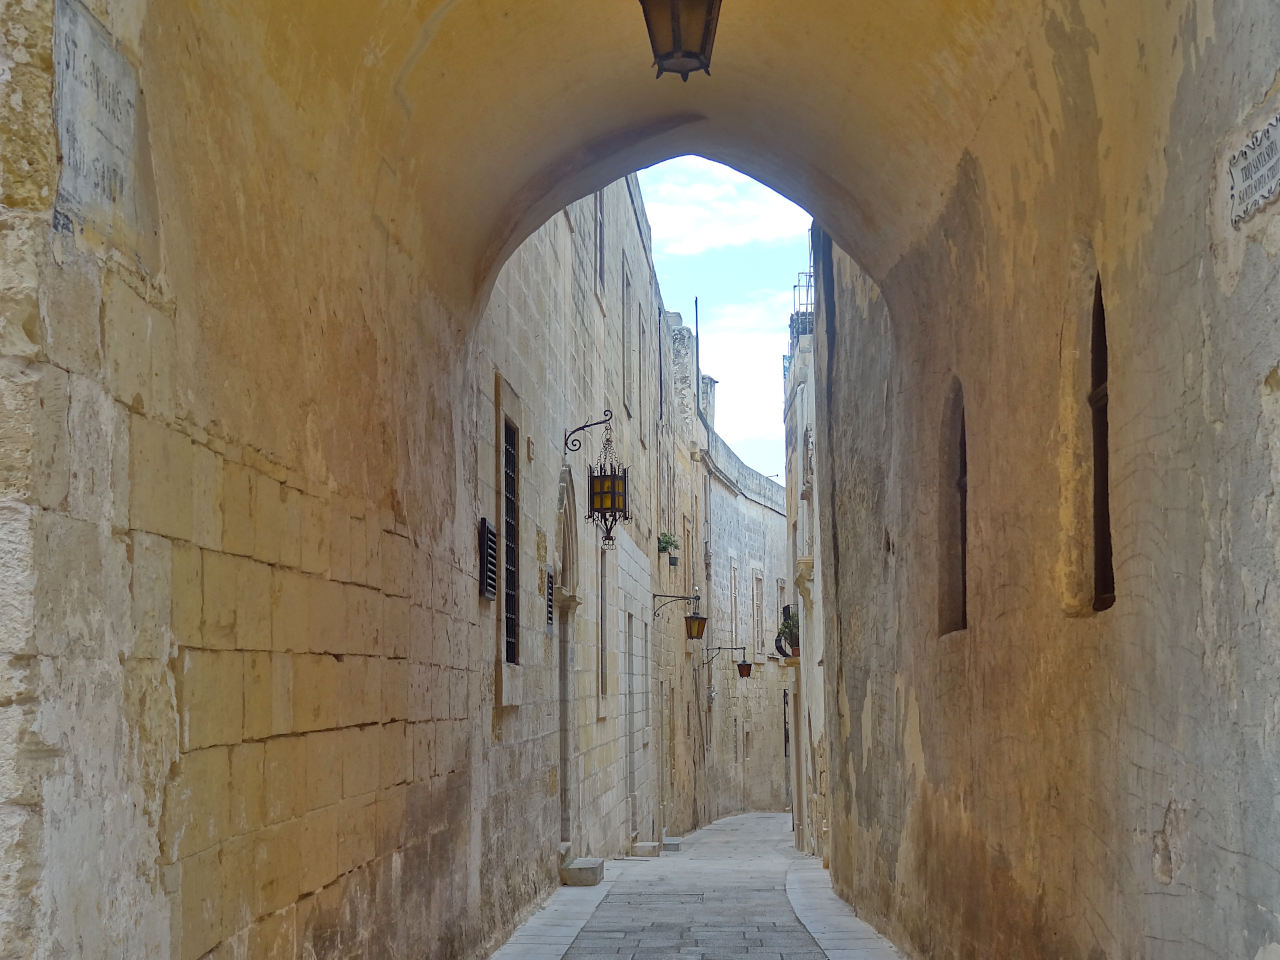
(953, 516)
(1104, 577)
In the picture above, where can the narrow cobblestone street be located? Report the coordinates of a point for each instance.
(736, 889)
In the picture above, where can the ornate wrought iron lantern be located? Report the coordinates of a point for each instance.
(681, 33)
(608, 502)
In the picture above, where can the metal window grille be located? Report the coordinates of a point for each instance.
(488, 546)
(551, 598)
(511, 533)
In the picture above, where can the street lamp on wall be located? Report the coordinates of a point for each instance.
(608, 491)
(607, 488)
(681, 33)
(695, 625)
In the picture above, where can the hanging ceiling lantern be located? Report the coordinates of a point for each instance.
(744, 668)
(681, 33)
(608, 490)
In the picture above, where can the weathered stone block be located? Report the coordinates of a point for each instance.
(364, 620)
(395, 754)
(272, 937)
(357, 833)
(314, 534)
(268, 695)
(339, 541)
(396, 627)
(291, 539)
(82, 601)
(21, 250)
(324, 768)
(238, 528)
(19, 778)
(253, 605)
(361, 753)
(202, 904)
(210, 697)
(33, 432)
(291, 607)
(360, 690)
(138, 349)
(160, 478)
(396, 557)
(318, 849)
(152, 589)
(269, 518)
(391, 813)
(328, 616)
(237, 603)
(196, 804)
(395, 690)
(218, 607)
(187, 582)
(315, 692)
(276, 867)
(70, 304)
(206, 497)
(582, 872)
(98, 456)
(248, 778)
(17, 578)
(285, 766)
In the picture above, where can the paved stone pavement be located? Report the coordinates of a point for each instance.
(737, 890)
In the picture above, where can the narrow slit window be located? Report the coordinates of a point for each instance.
(953, 517)
(1104, 577)
(511, 538)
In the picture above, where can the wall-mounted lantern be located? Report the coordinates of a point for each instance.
(607, 500)
(681, 33)
(694, 624)
(744, 665)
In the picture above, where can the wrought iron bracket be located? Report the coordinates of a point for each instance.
(668, 598)
(716, 650)
(573, 443)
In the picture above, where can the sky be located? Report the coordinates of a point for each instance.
(737, 246)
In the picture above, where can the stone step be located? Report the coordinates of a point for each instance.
(646, 849)
(582, 872)
(671, 844)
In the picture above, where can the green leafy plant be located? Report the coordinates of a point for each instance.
(667, 543)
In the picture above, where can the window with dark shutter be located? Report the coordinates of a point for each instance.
(1104, 576)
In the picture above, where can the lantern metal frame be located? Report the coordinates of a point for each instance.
(608, 489)
(684, 58)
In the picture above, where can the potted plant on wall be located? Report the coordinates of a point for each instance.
(787, 642)
(669, 545)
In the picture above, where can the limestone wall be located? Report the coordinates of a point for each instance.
(805, 524)
(1051, 781)
(253, 702)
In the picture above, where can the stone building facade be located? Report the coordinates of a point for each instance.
(808, 694)
(246, 250)
(257, 703)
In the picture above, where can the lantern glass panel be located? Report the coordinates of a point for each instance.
(657, 16)
(695, 626)
(693, 26)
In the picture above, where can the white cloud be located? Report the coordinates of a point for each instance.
(695, 205)
(742, 347)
